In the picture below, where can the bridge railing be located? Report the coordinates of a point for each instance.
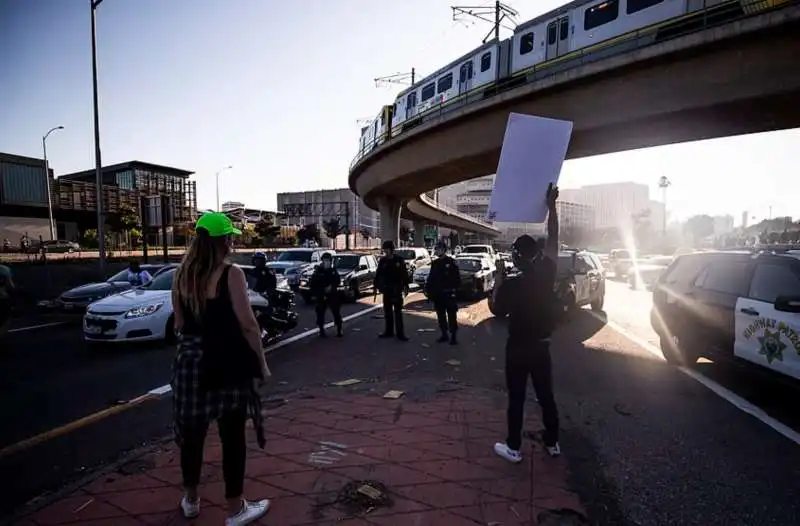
(426, 199)
(696, 21)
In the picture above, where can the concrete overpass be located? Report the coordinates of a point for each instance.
(737, 78)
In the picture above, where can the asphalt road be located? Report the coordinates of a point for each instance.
(647, 445)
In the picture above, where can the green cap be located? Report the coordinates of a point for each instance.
(217, 224)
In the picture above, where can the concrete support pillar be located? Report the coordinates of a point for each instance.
(389, 208)
(419, 233)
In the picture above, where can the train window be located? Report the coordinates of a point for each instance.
(563, 29)
(634, 6)
(486, 61)
(526, 43)
(551, 34)
(428, 92)
(600, 14)
(445, 83)
(411, 100)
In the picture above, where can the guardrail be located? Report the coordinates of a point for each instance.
(694, 22)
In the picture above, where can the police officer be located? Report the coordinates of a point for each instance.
(266, 282)
(442, 284)
(324, 288)
(529, 301)
(392, 280)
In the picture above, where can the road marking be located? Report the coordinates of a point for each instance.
(724, 393)
(152, 394)
(42, 326)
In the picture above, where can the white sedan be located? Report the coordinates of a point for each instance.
(141, 314)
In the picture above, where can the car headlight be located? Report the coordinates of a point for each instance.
(144, 310)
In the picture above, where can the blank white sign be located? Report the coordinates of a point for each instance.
(533, 152)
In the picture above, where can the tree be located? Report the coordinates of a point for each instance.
(268, 231)
(699, 227)
(124, 219)
(333, 227)
(309, 232)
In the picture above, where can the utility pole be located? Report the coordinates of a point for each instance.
(500, 11)
(101, 230)
(404, 79)
(47, 182)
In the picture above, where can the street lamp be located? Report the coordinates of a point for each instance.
(47, 182)
(98, 162)
(217, 178)
(664, 183)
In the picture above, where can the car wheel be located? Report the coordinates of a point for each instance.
(677, 351)
(597, 304)
(169, 331)
(355, 291)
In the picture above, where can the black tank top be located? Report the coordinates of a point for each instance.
(227, 358)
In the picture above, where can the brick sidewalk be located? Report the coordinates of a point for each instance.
(434, 457)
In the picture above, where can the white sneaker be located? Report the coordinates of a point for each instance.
(554, 451)
(250, 512)
(512, 455)
(190, 509)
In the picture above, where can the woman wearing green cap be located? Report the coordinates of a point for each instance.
(219, 360)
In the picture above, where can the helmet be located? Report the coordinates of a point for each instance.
(388, 245)
(259, 255)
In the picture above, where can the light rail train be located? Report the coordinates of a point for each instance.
(582, 29)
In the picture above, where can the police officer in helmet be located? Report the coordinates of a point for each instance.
(442, 284)
(530, 303)
(266, 282)
(392, 280)
(324, 288)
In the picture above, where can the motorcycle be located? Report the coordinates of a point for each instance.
(276, 315)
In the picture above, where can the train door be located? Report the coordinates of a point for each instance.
(465, 78)
(411, 104)
(557, 38)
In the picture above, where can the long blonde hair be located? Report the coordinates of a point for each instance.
(205, 255)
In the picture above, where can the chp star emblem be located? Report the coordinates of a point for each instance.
(771, 346)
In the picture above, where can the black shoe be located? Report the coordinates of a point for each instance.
(322, 333)
(453, 340)
(402, 337)
(339, 332)
(386, 335)
(442, 339)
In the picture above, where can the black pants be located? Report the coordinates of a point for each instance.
(234, 452)
(447, 314)
(393, 313)
(323, 304)
(534, 362)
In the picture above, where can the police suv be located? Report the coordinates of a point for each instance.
(734, 305)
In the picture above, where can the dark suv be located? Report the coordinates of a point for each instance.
(734, 305)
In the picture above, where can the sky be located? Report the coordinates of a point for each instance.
(276, 89)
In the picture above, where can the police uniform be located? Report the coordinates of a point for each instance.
(442, 285)
(324, 288)
(392, 279)
(265, 280)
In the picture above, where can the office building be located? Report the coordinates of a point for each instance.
(318, 206)
(231, 205)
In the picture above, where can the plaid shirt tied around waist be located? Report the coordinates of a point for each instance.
(195, 405)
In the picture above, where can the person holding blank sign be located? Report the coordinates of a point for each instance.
(529, 302)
